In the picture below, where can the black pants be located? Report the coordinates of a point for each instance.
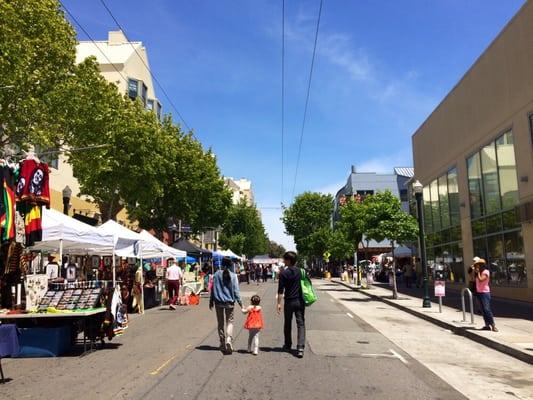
(296, 307)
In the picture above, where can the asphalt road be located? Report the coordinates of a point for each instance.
(167, 354)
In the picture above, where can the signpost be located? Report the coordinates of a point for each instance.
(440, 292)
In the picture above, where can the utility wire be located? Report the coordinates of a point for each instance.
(147, 67)
(307, 100)
(282, 99)
(94, 42)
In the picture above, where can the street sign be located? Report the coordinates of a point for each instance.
(440, 289)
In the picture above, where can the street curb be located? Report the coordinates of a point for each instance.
(458, 330)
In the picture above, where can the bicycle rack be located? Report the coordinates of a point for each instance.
(467, 290)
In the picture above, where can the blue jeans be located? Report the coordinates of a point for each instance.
(484, 299)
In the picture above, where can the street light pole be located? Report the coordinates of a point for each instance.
(418, 188)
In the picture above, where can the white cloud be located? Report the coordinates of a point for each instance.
(331, 188)
(384, 163)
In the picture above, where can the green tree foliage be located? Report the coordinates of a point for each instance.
(193, 189)
(37, 53)
(308, 221)
(127, 171)
(340, 247)
(276, 250)
(243, 231)
(384, 219)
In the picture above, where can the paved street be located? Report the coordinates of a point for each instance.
(174, 355)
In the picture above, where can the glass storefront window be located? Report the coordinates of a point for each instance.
(474, 185)
(443, 201)
(507, 170)
(516, 267)
(453, 196)
(491, 187)
(428, 224)
(435, 211)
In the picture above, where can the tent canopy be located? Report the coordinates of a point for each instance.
(190, 248)
(129, 243)
(400, 252)
(230, 254)
(60, 230)
(265, 259)
(167, 250)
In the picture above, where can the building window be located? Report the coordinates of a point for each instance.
(474, 186)
(497, 235)
(150, 105)
(158, 110)
(442, 224)
(144, 94)
(133, 88)
(404, 195)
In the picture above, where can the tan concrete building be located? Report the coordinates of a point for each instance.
(474, 156)
(241, 189)
(125, 64)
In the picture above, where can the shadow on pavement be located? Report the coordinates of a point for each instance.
(363, 300)
(206, 347)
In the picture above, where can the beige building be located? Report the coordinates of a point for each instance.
(241, 189)
(125, 64)
(474, 156)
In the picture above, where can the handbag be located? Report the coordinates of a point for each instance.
(308, 291)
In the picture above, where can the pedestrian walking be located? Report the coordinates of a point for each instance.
(483, 292)
(289, 288)
(224, 295)
(174, 277)
(265, 273)
(408, 274)
(254, 323)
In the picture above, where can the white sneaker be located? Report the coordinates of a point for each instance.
(255, 352)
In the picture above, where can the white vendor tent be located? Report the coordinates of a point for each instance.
(166, 251)
(230, 254)
(61, 232)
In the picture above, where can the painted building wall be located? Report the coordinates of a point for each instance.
(494, 96)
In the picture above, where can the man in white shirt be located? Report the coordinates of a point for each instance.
(174, 277)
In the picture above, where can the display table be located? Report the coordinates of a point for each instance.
(89, 322)
(9, 344)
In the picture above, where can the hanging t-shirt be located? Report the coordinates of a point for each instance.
(33, 224)
(7, 203)
(33, 183)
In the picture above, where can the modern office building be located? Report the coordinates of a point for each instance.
(361, 184)
(474, 156)
(126, 65)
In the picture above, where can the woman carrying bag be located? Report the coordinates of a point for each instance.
(224, 295)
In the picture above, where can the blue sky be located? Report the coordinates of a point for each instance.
(381, 68)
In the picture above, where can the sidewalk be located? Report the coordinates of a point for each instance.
(515, 336)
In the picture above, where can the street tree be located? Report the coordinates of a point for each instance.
(193, 189)
(276, 250)
(340, 247)
(243, 231)
(126, 171)
(308, 221)
(385, 220)
(37, 54)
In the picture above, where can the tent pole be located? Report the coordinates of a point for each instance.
(142, 283)
(60, 254)
(114, 266)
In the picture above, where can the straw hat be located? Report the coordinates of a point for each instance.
(478, 260)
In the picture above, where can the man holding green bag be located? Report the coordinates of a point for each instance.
(290, 288)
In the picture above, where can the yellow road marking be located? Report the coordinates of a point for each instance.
(158, 370)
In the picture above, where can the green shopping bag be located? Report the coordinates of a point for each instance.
(308, 292)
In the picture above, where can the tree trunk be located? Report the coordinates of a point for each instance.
(394, 286)
(109, 210)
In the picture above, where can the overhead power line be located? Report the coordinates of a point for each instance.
(306, 101)
(282, 99)
(147, 67)
(94, 42)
